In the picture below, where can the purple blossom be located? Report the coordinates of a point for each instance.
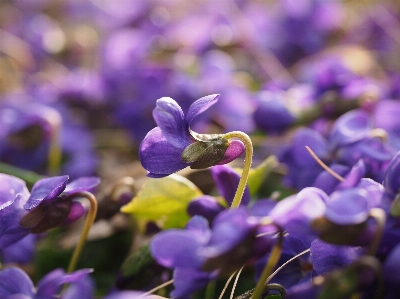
(198, 254)
(15, 283)
(13, 196)
(51, 202)
(162, 149)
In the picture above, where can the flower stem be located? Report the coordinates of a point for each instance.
(53, 118)
(269, 267)
(247, 164)
(380, 218)
(88, 223)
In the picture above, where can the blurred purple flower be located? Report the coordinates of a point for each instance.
(199, 254)
(51, 202)
(271, 114)
(162, 149)
(17, 284)
(13, 196)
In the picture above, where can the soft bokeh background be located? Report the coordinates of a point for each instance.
(95, 68)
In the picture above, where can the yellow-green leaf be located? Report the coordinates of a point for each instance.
(258, 175)
(164, 201)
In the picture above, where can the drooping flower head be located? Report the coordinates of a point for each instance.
(51, 202)
(173, 146)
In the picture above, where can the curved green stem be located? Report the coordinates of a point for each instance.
(269, 267)
(88, 224)
(247, 164)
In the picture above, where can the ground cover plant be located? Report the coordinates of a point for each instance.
(199, 149)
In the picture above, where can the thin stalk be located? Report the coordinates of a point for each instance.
(159, 287)
(235, 282)
(226, 285)
(380, 218)
(323, 165)
(269, 267)
(247, 164)
(282, 266)
(85, 231)
(55, 153)
(210, 290)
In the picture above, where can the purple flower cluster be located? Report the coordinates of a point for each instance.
(125, 80)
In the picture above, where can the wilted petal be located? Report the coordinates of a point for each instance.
(46, 189)
(200, 106)
(169, 117)
(235, 149)
(82, 184)
(158, 156)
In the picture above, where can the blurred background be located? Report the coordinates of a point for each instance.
(95, 68)
(79, 80)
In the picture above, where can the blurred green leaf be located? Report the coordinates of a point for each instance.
(164, 201)
(258, 175)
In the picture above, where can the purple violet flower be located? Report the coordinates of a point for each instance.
(199, 254)
(13, 195)
(172, 145)
(15, 283)
(51, 202)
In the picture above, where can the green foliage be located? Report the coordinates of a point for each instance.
(259, 174)
(164, 201)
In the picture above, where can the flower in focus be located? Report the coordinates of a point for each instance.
(173, 146)
(51, 202)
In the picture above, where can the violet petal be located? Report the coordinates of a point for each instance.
(158, 156)
(200, 106)
(176, 248)
(348, 206)
(82, 184)
(227, 181)
(15, 281)
(46, 189)
(327, 257)
(169, 117)
(350, 127)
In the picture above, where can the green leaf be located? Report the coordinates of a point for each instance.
(164, 201)
(258, 175)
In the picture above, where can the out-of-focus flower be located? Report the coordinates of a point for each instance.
(198, 254)
(13, 196)
(17, 284)
(51, 202)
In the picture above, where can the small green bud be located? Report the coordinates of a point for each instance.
(205, 154)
